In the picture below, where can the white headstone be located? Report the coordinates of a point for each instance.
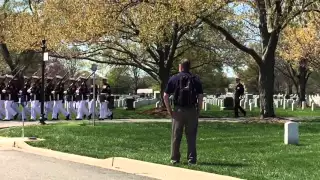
(291, 133)
(250, 106)
(303, 105)
(293, 105)
(256, 102)
(312, 106)
(205, 106)
(284, 105)
(245, 105)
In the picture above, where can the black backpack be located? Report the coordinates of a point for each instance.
(185, 94)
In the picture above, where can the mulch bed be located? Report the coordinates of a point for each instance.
(158, 112)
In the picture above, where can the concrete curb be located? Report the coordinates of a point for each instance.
(126, 165)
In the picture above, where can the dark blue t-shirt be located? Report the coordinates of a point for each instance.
(173, 83)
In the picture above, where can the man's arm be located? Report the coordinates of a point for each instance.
(167, 104)
(200, 100)
(200, 94)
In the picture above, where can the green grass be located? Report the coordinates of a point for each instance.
(249, 151)
(215, 112)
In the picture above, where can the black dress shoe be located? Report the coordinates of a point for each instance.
(78, 119)
(15, 116)
(54, 119)
(174, 162)
(68, 117)
(89, 117)
(111, 116)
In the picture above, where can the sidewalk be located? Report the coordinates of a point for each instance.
(131, 169)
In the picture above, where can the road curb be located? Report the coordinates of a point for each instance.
(126, 165)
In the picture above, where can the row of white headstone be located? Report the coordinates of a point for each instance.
(293, 104)
(144, 102)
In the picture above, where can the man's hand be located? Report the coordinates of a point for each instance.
(170, 112)
(167, 104)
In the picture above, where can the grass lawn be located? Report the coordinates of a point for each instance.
(249, 151)
(212, 112)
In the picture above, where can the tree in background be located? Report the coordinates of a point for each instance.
(265, 20)
(300, 52)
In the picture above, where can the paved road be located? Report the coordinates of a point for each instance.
(15, 165)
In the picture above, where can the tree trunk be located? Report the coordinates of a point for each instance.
(163, 84)
(289, 88)
(302, 83)
(266, 86)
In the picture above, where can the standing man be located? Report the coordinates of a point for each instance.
(239, 91)
(188, 95)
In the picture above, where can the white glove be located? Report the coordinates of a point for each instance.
(4, 91)
(65, 92)
(52, 92)
(29, 91)
(20, 92)
(77, 91)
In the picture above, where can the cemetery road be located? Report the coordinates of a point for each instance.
(15, 165)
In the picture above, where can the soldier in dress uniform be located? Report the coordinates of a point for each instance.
(15, 94)
(27, 85)
(24, 98)
(35, 94)
(9, 92)
(70, 95)
(48, 102)
(2, 96)
(58, 93)
(81, 95)
(91, 102)
(238, 93)
(105, 94)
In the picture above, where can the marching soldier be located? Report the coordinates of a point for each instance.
(70, 96)
(104, 100)
(239, 91)
(2, 96)
(48, 103)
(27, 85)
(35, 94)
(91, 102)
(10, 91)
(15, 95)
(58, 93)
(81, 95)
(25, 98)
